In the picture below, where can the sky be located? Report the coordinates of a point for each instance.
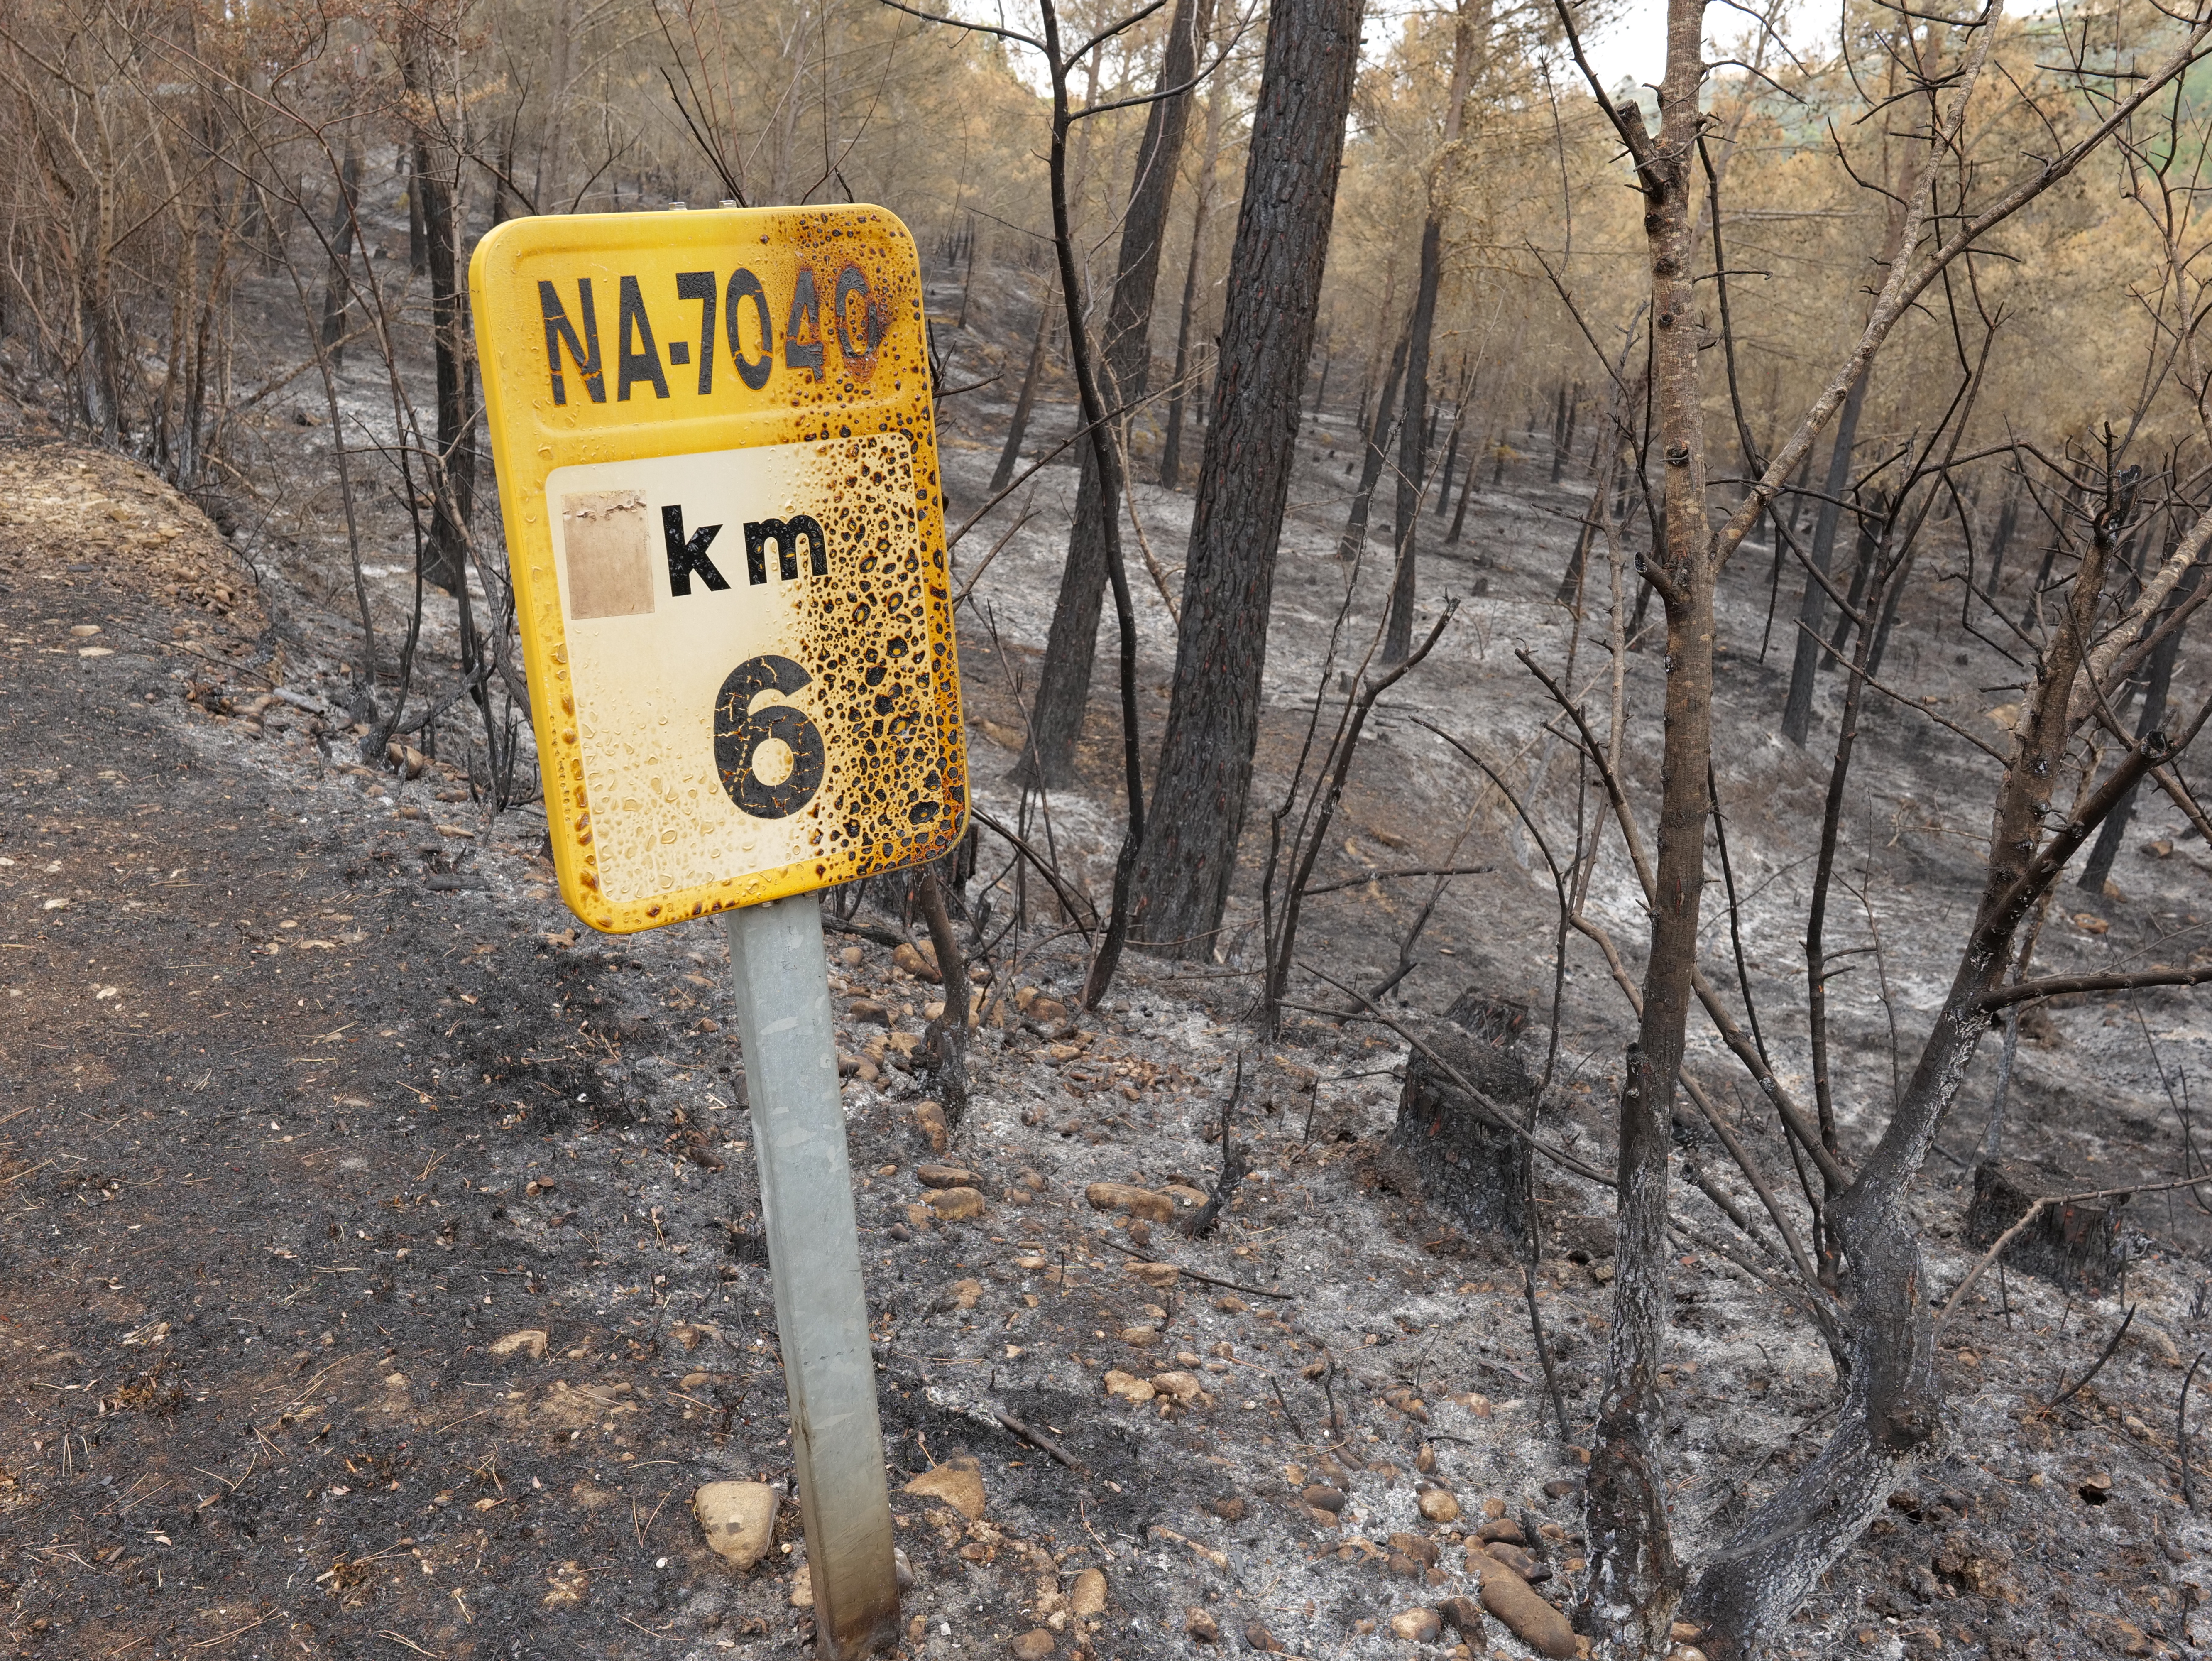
(1635, 46)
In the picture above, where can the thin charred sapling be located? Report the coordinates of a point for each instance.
(337, 285)
(1812, 610)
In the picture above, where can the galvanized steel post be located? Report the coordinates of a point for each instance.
(781, 983)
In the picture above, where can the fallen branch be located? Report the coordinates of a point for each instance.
(1040, 1442)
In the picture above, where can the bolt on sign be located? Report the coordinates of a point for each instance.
(719, 473)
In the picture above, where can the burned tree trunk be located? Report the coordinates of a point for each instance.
(1064, 682)
(1217, 111)
(1283, 224)
(1018, 428)
(2099, 867)
(1413, 444)
(1371, 459)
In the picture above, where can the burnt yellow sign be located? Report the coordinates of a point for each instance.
(718, 475)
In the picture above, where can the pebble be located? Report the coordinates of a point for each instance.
(1086, 1598)
(530, 1341)
(1127, 1388)
(802, 1587)
(907, 956)
(1155, 1275)
(1137, 1202)
(1321, 1497)
(1493, 1508)
(1200, 1625)
(1257, 1637)
(944, 1175)
(1229, 1303)
(1417, 1626)
(1560, 1487)
(1501, 1527)
(1439, 1506)
(1418, 1547)
(955, 1205)
(1183, 1386)
(1229, 1508)
(1140, 1337)
(1034, 1644)
(1048, 1012)
(929, 1119)
(956, 1486)
(1464, 1616)
(1529, 1618)
(868, 1009)
(737, 1518)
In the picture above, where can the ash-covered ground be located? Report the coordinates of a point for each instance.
(387, 1262)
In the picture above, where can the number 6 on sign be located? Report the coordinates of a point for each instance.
(740, 731)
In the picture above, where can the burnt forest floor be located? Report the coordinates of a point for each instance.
(384, 1251)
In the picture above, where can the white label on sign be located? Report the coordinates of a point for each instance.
(748, 651)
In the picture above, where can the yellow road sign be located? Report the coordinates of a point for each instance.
(718, 475)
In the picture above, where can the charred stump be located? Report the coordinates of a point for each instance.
(2076, 1246)
(1470, 1162)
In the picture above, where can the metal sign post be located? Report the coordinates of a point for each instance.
(717, 474)
(782, 990)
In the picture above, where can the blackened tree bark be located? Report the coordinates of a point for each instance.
(1217, 113)
(1266, 335)
(453, 477)
(1805, 665)
(1125, 367)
